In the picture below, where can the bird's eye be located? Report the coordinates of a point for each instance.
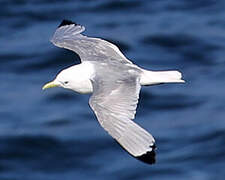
(66, 82)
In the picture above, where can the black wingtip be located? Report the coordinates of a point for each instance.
(149, 157)
(66, 22)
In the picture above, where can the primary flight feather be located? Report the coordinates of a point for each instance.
(114, 82)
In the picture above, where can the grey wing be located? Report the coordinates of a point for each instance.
(89, 49)
(114, 104)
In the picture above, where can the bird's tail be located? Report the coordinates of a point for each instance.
(159, 77)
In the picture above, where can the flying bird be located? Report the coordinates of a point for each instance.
(115, 84)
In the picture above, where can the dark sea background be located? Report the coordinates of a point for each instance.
(53, 134)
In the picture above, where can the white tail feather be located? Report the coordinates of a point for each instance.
(158, 77)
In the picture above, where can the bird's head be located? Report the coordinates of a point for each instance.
(76, 78)
(63, 79)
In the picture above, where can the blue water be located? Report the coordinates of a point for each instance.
(53, 135)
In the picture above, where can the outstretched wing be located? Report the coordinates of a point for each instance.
(68, 35)
(114, 103)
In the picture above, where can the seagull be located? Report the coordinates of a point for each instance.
(115, 84)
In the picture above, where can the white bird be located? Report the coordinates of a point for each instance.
(114, 82)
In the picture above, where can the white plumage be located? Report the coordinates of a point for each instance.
(114, 82)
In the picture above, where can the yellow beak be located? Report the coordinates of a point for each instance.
(50, 85)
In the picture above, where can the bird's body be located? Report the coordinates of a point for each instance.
(114, 82)
(82, 73)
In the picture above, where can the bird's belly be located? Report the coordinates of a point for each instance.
(83, 87)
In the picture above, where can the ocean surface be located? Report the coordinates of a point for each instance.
(53, 134)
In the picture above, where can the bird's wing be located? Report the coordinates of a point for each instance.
(68, 35)
(114, 103)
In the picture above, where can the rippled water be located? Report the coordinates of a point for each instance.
(54, 135)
